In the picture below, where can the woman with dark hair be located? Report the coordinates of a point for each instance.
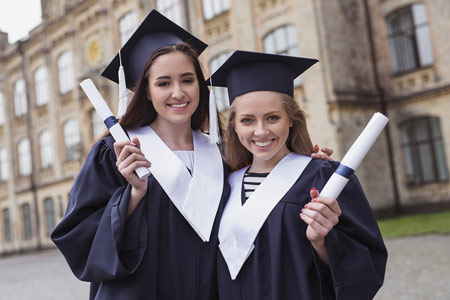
(154, 238)
(278, 238)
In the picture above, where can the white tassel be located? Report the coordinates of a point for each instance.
(123, 92)
(214, 136)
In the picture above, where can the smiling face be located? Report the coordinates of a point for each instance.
(173, 89)
(262, 126)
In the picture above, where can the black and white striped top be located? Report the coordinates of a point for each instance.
(251, 182)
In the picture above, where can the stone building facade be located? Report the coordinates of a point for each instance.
(389, 56)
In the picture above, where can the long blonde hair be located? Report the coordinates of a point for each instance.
(237, 156)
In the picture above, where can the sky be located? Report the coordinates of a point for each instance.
(17, 17)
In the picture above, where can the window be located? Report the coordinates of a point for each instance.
(98, 127)
(24, 157)
(283, 41)
(3, 164)
(221, 93)
(423, 149)
(127, 25)
(20, 98)
(212, 8)
(72, 140)
(41, 85)
(49, 215)
(2, 109)
(171, 9)
(409, 38)
(66, 76)
(61, 207)
(46, 145)
(7, 225)
(27, 228)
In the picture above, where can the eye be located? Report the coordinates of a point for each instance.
(273, 118)
(246, 121)
(189, 80)
(163, 83)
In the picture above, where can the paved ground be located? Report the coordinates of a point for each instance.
(418, 269)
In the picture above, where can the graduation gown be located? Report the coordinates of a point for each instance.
(154, 254)
(282, 263)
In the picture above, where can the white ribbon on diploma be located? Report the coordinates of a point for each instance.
(354, 156)
(107, 116)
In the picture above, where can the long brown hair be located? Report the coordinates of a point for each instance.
(298, 141)
(141, 112)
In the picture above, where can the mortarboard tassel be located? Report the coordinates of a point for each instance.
(214, 136)
(123, 93)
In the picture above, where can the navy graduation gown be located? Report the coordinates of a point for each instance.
(283, 264)
(154, 254)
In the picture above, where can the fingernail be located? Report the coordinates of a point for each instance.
(313, 189)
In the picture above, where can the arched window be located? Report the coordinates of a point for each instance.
(2, 109)
(66, 72)
(20, 98)
(3, 164)
(7, 225)
(27, 226)
(170, 9)
(127, 25)
(24, 152)
(424, 152)
(283, 41)
(72, 140)
(409, 38)
(212, 8)
(221, 93)
(46, 146)
(41, 86)
(49, 215)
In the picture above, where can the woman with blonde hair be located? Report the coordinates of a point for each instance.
(278, 238)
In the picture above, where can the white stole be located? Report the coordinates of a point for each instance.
(197, 197)
(240, 224)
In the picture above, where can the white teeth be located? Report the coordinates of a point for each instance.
(260, 144)
(178, 105)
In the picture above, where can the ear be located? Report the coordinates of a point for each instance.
(291, 123)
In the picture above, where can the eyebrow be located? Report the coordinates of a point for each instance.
(266, 114)
(168, 77)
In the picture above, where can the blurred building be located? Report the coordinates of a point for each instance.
(375, 55)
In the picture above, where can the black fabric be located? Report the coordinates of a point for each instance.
(246, 71)
(155, 254)
(154, 32)
(283, 264)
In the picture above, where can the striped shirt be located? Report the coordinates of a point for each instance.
(251, 182)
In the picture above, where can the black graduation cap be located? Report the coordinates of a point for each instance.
(246, 71)
(155, 31)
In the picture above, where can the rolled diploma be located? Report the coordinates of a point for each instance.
(106, 114)
(354, 156)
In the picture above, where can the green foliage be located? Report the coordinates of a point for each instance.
(415, 224)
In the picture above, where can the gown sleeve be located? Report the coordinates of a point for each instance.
(356, 251)
(96, 239)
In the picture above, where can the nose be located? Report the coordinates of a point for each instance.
(177, 92)
(260, 130)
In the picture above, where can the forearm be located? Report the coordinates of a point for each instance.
(321, 251)
(136, 197)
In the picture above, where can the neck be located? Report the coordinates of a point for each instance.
(266, 166)
(175, 136)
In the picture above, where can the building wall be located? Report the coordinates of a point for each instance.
(339, 94)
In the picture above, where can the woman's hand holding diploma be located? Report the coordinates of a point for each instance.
(129, 158)
(321, 215)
